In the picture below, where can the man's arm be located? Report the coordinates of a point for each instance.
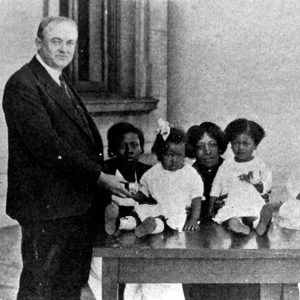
(114, 184)
(28, 118)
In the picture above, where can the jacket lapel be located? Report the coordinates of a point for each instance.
(56, 93)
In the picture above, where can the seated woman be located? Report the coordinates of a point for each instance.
(125, 146)
(206, 143)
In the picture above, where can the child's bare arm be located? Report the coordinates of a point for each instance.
(192, 222)
(143, 199)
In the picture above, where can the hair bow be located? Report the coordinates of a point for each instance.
(163, 128)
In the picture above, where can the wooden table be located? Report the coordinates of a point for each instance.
(211, 255)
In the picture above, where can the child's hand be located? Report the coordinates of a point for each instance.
(149, 200)
(251, 177)
(255, 177)
(219, 202)
(245, 177)
(143, 199)
(191, 225)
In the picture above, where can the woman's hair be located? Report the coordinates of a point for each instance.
(244, 126)
(116, 133)
(196, 133)
(160, 146)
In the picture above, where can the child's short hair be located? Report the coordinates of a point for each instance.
(244, 126)
(196, 133)
(160, 146)
(115, 135)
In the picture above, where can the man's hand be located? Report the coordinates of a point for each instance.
(114, 184)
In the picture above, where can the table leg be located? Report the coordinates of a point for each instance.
(110, 274)
(270, 291)
(290, 292)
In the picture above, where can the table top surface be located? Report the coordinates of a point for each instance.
(211, 241)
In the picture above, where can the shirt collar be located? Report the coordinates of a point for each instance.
(52, 72)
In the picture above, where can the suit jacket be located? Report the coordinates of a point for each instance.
(53, 160)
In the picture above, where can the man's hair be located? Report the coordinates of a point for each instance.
(46, 21)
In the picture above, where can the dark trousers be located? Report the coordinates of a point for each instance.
(56, 258)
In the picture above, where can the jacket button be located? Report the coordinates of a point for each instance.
(59, 157)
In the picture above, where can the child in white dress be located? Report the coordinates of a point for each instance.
(175, 186)
(245, 179)
(289, 212)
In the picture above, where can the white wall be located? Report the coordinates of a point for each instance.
(18, 23)
(238, 58)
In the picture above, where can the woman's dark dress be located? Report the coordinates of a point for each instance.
(207, 175)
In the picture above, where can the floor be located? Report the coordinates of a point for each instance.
(10, 264)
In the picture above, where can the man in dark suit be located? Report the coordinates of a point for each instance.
(54, 168)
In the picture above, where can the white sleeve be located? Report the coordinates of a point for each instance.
(197, 187)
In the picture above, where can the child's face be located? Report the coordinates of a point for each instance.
(207, 151)
(243, 147)
(130, 148)
(173, 159)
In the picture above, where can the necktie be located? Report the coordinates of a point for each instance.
(64, 86)
(77, 108)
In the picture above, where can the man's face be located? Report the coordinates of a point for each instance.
(58, 45)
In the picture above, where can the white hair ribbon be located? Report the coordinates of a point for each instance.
(163, 128)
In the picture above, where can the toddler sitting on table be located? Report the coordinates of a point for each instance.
(175, 186)
(245, 179)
